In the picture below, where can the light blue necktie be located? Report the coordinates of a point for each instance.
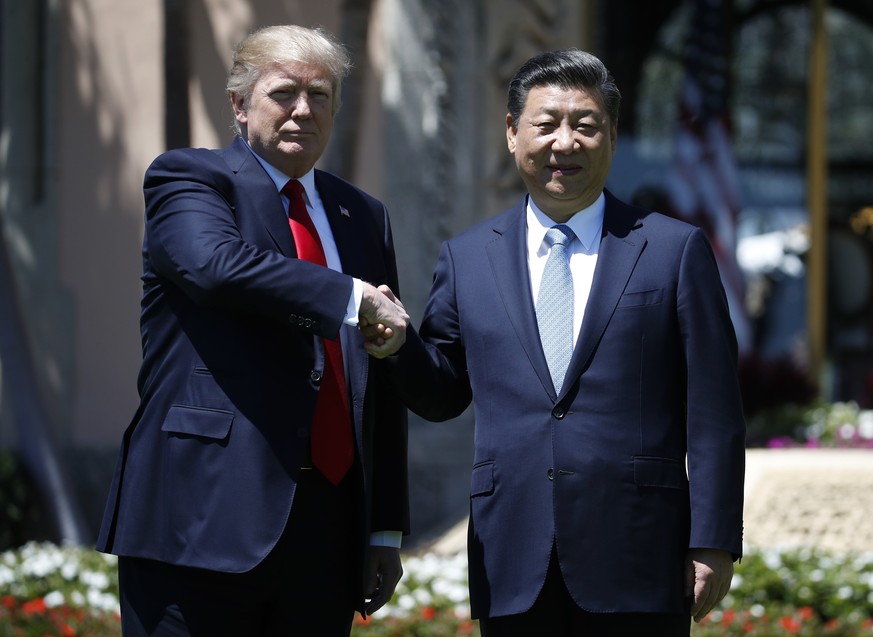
(555, 305)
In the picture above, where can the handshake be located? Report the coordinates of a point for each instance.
(382, 320)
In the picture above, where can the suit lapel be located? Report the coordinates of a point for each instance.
(620, 249)
(508, 256)
(346, 226)
(266, 202)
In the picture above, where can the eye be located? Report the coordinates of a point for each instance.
(588, 128)
(281, 96)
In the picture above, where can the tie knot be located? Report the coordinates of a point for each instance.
(293, 189)
(559, 235)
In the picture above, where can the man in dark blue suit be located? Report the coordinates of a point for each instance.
(243, 502)
(607, 484)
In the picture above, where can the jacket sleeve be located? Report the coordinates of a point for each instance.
(194, 208)
(430, 370)
(715, 422)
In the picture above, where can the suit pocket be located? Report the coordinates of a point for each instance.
(636, 299)
(664, 473)
(482, 480)
(198, 421)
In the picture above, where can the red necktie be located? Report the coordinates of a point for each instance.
(331, 445)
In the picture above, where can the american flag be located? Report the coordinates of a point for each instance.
(704, 184)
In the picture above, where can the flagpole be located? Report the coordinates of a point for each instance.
(817, 172)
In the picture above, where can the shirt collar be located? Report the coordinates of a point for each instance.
(280, 179)
(587, 224)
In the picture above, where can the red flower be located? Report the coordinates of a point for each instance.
(34, 606)
(790, 624)
(428, 613)
(728, 618)
(805, 613)
(68, 630)
(9, 601)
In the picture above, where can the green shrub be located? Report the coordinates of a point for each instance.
(50, 591)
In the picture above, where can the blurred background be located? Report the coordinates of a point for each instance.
(750, 118)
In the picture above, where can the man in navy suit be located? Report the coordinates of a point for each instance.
(227, 517)
(584, 520)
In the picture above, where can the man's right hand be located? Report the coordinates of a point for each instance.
(382, 320)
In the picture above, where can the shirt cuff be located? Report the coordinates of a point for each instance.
(354, 306)
(391, 539)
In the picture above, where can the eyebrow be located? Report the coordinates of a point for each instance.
(285, 83)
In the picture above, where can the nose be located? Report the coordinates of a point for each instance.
(565, 139)
(301, 108)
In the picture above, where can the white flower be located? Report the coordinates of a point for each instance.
(103, 601)
(53, 599)
(773, 559)
(94, 579)
(846, 431)
(845, 592)
(406, 602)
(422, 596)
(70, 571)
(7, 575)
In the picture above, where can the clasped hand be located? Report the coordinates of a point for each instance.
(382, 320)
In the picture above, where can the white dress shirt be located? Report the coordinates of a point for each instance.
(587, 224)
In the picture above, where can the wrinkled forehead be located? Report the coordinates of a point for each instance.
(297, 72)
(561, 95)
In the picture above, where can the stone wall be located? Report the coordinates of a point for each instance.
(817, 498)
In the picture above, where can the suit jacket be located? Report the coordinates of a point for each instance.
(231, 329)
(599, 470)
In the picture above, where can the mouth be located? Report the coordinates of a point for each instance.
(564, 170)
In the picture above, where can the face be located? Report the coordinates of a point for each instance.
(563, 148)
(289, 117)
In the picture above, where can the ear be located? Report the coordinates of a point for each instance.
(239, 108)
(511, 132)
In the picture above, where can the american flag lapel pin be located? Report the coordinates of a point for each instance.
(344, 211)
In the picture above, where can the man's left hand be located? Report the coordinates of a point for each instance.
(708, 578)
(381, 574)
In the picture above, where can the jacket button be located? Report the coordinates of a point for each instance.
(308, 323)
(550, 474)
(315, 376)
(559, 412)
(292, 318)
